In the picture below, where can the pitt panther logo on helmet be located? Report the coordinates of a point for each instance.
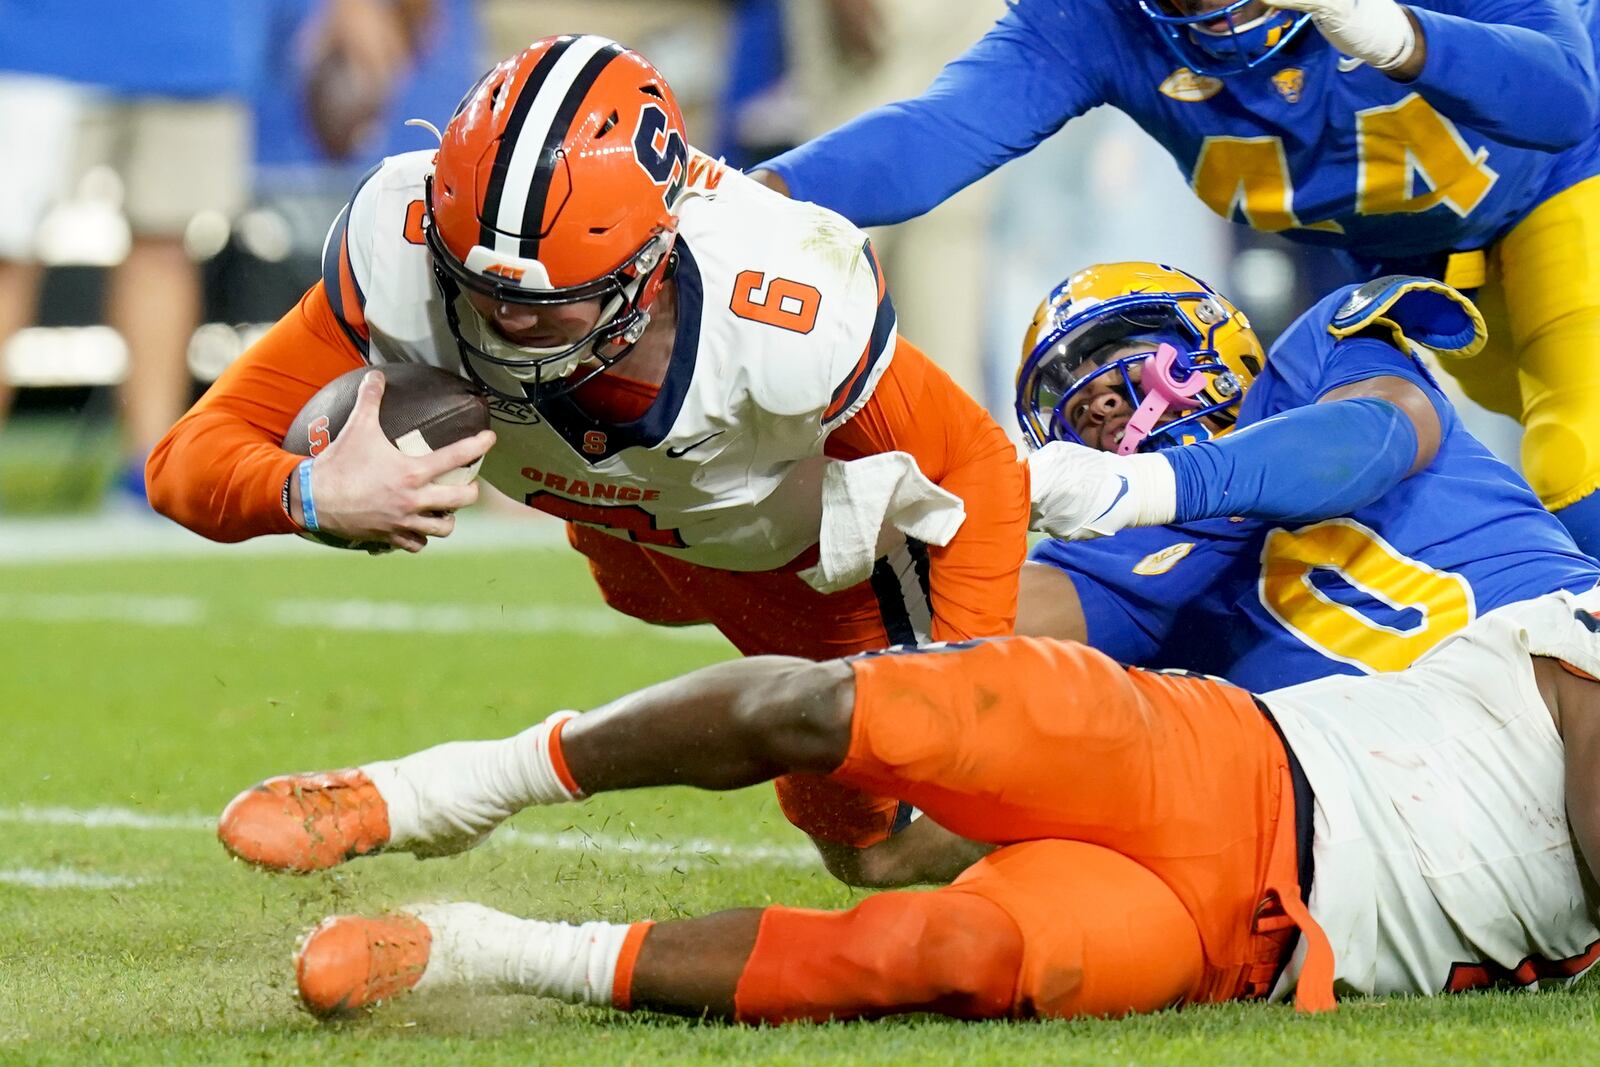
(660, 150)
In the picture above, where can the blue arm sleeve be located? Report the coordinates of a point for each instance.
(1307, 464)
(1521, 71)
(1010, 91)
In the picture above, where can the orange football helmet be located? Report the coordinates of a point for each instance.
(557, 180)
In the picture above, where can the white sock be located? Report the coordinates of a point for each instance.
(487, 949)
(447, 798)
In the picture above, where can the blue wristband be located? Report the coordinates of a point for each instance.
(308, 506)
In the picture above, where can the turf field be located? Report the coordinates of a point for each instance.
(139, 693)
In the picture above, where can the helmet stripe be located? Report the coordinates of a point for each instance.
(511, 137)
(539, 190)
(528, 140)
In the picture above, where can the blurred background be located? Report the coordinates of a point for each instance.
(172, 167)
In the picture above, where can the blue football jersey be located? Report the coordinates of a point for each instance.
(1310, 143)
(1268, 605)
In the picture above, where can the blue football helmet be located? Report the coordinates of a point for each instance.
(1242, 42)
(1179, 353)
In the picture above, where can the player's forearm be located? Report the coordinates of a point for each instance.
(873, 172)
(1307, 464)
(220, 471)
(996, 101)
(1528, 82)
(973, 580)
(917, 409)
(215, 476)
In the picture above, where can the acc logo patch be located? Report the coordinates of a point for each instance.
(1163, 561)
(1290, 83)
(503, 410)
(1186, 86)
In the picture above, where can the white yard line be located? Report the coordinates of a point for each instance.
(103, 607)
(399, 616)
(654, 848)
(104, 818)
(63, 878)
(661, 853)
(372, 616)
(121, 536)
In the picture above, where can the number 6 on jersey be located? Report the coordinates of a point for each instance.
(786, 304)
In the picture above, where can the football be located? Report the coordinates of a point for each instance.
(423, 408)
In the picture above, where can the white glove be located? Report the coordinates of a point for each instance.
(1081, 492)
(1376, 31)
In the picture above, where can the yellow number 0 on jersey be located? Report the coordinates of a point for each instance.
(1397, 143)
(1370, 564)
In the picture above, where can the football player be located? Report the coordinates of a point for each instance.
(1319, 509)
(1159, 839)
(1456, 139)
(702, 377)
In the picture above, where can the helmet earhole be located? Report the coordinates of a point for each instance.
(605, 128)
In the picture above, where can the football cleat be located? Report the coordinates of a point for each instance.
(305, 822)
(348, 962)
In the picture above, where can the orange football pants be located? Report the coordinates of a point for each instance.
(1133, 803)
(761, 613)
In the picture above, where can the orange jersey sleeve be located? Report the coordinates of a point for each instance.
(220, 470)
(916, 408)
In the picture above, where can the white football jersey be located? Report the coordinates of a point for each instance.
(1443, 857)
(784, 329)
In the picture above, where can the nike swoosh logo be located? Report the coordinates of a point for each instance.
(1349, 63)
(1122, 492)
(678, 453)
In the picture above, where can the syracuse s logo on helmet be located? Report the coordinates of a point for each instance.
(660, 152)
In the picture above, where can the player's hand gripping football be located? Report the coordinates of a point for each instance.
(366, 489)
(1081, 492)
(1378, 32)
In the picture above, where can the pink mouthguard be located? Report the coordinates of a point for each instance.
(1161, 391)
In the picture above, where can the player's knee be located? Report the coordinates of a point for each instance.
(959, 954)
(1560, 455)
(798, 714)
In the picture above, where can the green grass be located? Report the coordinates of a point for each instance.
(53, 463)
(188, 962)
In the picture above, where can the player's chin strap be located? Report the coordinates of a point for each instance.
(1162, 390)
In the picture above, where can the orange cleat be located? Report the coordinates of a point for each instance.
(305, 822)
(349, 962)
